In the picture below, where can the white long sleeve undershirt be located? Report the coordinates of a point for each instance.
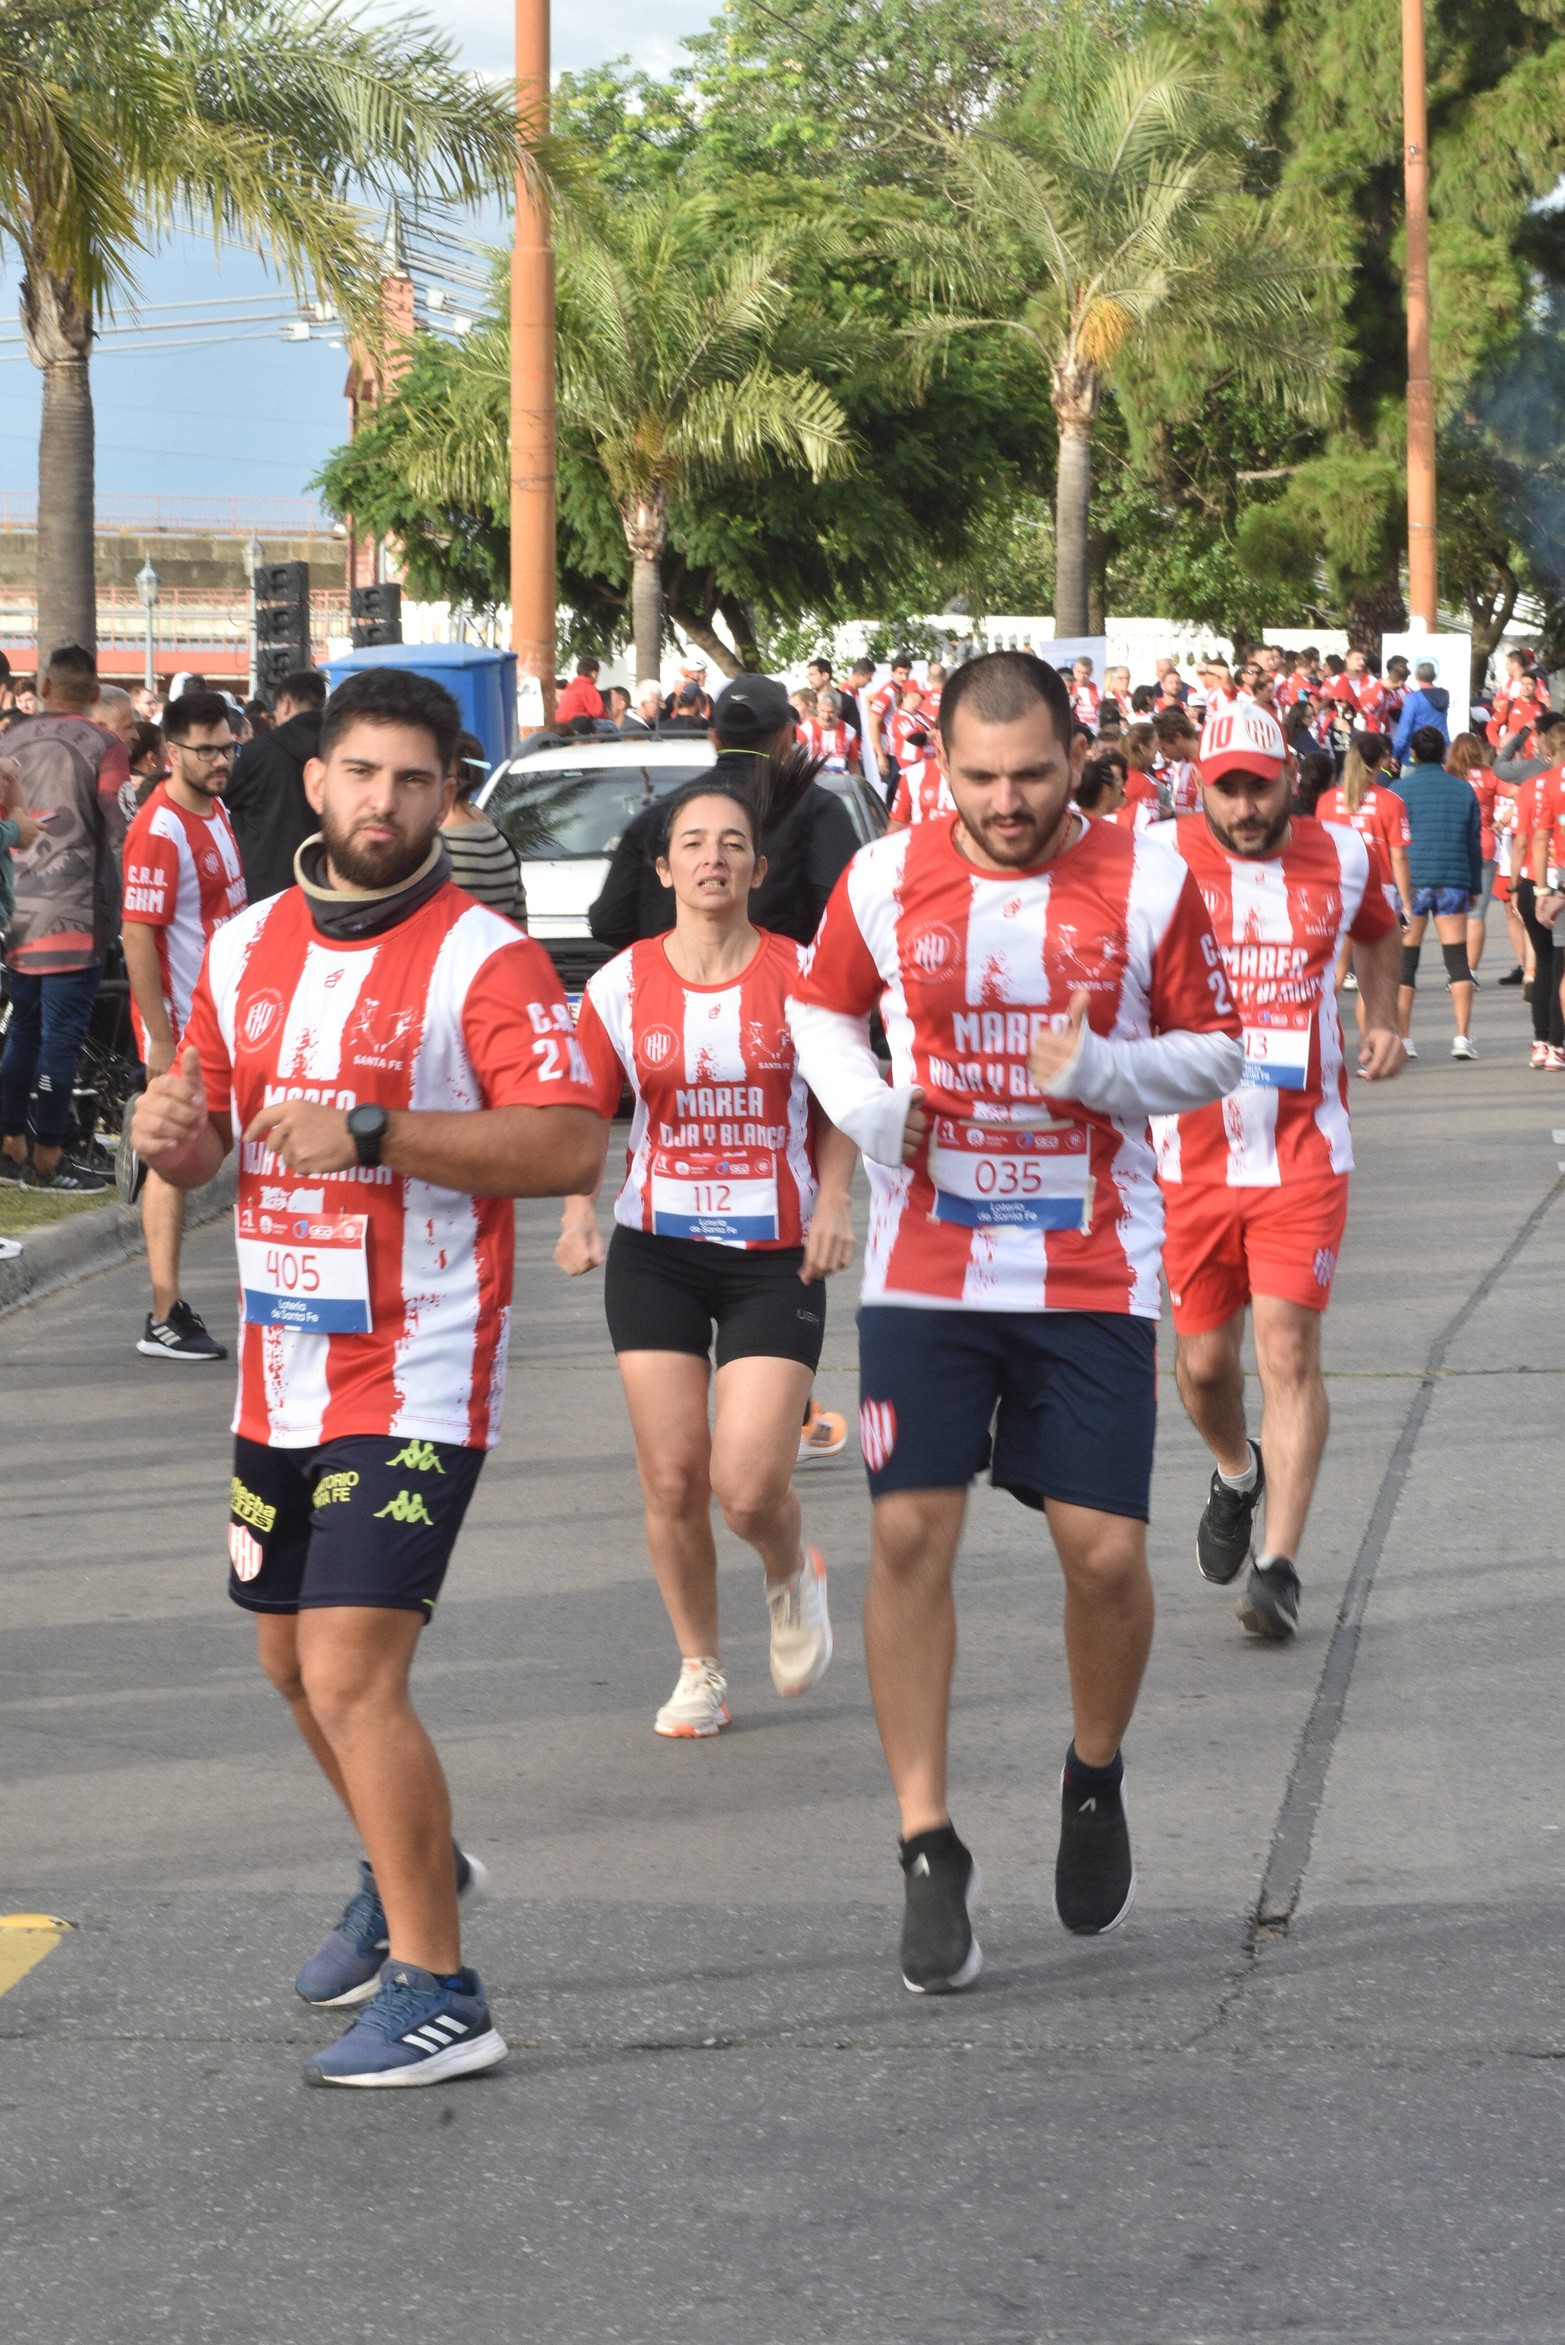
(1159, 1074)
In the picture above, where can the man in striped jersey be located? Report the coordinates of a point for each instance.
(1045, 983)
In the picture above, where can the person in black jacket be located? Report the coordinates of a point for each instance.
(265, 800)
(807, 834)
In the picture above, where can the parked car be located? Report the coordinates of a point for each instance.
(564, 806)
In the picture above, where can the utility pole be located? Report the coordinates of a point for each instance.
(1422, 553)
(533, 592)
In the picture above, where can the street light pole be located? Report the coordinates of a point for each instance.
(1422, 552)
(532, 378)
(147, 584)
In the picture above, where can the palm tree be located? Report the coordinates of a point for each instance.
(271, 122)
(1105, 221)
(668, 331)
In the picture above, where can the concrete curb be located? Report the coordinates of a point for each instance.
(64, 1251)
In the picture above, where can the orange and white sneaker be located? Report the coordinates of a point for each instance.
(824, 1434)
(801, 1626)
(696, 1707)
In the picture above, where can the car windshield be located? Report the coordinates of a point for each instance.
(580, 810)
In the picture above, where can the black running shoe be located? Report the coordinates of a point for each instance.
(1516, 977)
(10, 1170)
(1225, 1535)
(67, 1179)
(181, 1336)
(939, 1951)
(1094, 1876)
(1269, 1606)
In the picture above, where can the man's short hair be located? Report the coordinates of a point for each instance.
(75, 670)
(901, 659)
(1172, 724)
(393, 696)
(862, 668)
(181, 716)
(1428, 745)
(305, 687)
(1551, 721)
(587, 665)
(113, 695)
(1000, 686)
(1425, 671)
(819, 660)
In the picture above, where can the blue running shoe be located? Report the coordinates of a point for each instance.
(345, 1967)
(415, 2032)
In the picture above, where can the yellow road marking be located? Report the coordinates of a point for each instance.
(25, 1938)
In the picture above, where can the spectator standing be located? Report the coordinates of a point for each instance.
(75, 778)
(270, 814)
(647, 714)
(17, 831)
(182, 881)
(1529, 783)
(148, 754)
(1470, 756)
(483, 861)
(581, 697)
(1427, 707)
(1445, 864)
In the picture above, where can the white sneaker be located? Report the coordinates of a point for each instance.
(696, 1707)
(1407, 1046)
(801, 1626)
(1461, 1047)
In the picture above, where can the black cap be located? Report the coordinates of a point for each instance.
(751, 709)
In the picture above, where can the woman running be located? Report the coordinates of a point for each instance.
(1365, 800)
(734, 1209)
(1471, 756)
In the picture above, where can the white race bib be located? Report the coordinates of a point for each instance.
(1277, 1048)
(728, 1196)
(1010, 1176)
(309, 1271)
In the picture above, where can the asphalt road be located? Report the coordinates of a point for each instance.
(1315, 2089)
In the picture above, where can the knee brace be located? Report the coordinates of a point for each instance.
(1456, 969)
(1410, 964)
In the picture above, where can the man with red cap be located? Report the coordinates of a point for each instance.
(1255, 1187)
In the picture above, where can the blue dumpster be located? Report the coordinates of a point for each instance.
(482, 683)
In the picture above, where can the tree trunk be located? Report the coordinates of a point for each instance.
(646, 534)
(1075, 391)
(1491, 615)
(1380, 611)
(57, 327)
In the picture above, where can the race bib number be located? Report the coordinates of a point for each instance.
(727, 1196)
(309, 1271)
(1277, 1049)
(1000, 1176)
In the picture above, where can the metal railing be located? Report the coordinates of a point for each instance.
(152, 516)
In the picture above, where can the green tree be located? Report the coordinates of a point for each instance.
(1104, 220)
(268, 121)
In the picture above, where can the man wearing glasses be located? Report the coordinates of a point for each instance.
(182, 880)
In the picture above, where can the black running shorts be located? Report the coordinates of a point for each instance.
(670, 1294)
(370, 1519)
(1062, 1404)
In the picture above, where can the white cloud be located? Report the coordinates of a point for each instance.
(649, 32)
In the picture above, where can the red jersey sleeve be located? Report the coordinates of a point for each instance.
(517, 1026)
(840, 972)
(1395, 828)
(151, 877)
(1375, 917)
(204, 1034)
(902, 804)
(606, 1071)
(1190, 992)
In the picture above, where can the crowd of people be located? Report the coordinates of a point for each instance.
(1077, 1013)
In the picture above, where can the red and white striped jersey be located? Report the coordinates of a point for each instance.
(830, 742)
(1279, 922)
(899, 729)
(1018, 1202)
(449, 1010)
(720, 1144)
(1380, 816)
(1086, 700)
(1181, 778)
(182, 880)
(922, 793)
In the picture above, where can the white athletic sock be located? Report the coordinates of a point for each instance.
(1246, 1481)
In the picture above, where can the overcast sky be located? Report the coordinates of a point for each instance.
(254, 419)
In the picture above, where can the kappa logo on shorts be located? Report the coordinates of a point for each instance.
(407, 1507)
(244, 1552)
(877, 1432)
(1325, 1265)
(417, 1457)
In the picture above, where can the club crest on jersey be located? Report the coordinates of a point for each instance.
(261, 1014)
(932, 951)
(657, 1046)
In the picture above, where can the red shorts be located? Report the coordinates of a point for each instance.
(1221, 1246)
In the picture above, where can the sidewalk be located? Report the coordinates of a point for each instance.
(724, 2118)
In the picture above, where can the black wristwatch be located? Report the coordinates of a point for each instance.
(367, 1128)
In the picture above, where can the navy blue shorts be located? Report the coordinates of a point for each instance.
(1443, 901)
(370, 1519)
(1061, 1404)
